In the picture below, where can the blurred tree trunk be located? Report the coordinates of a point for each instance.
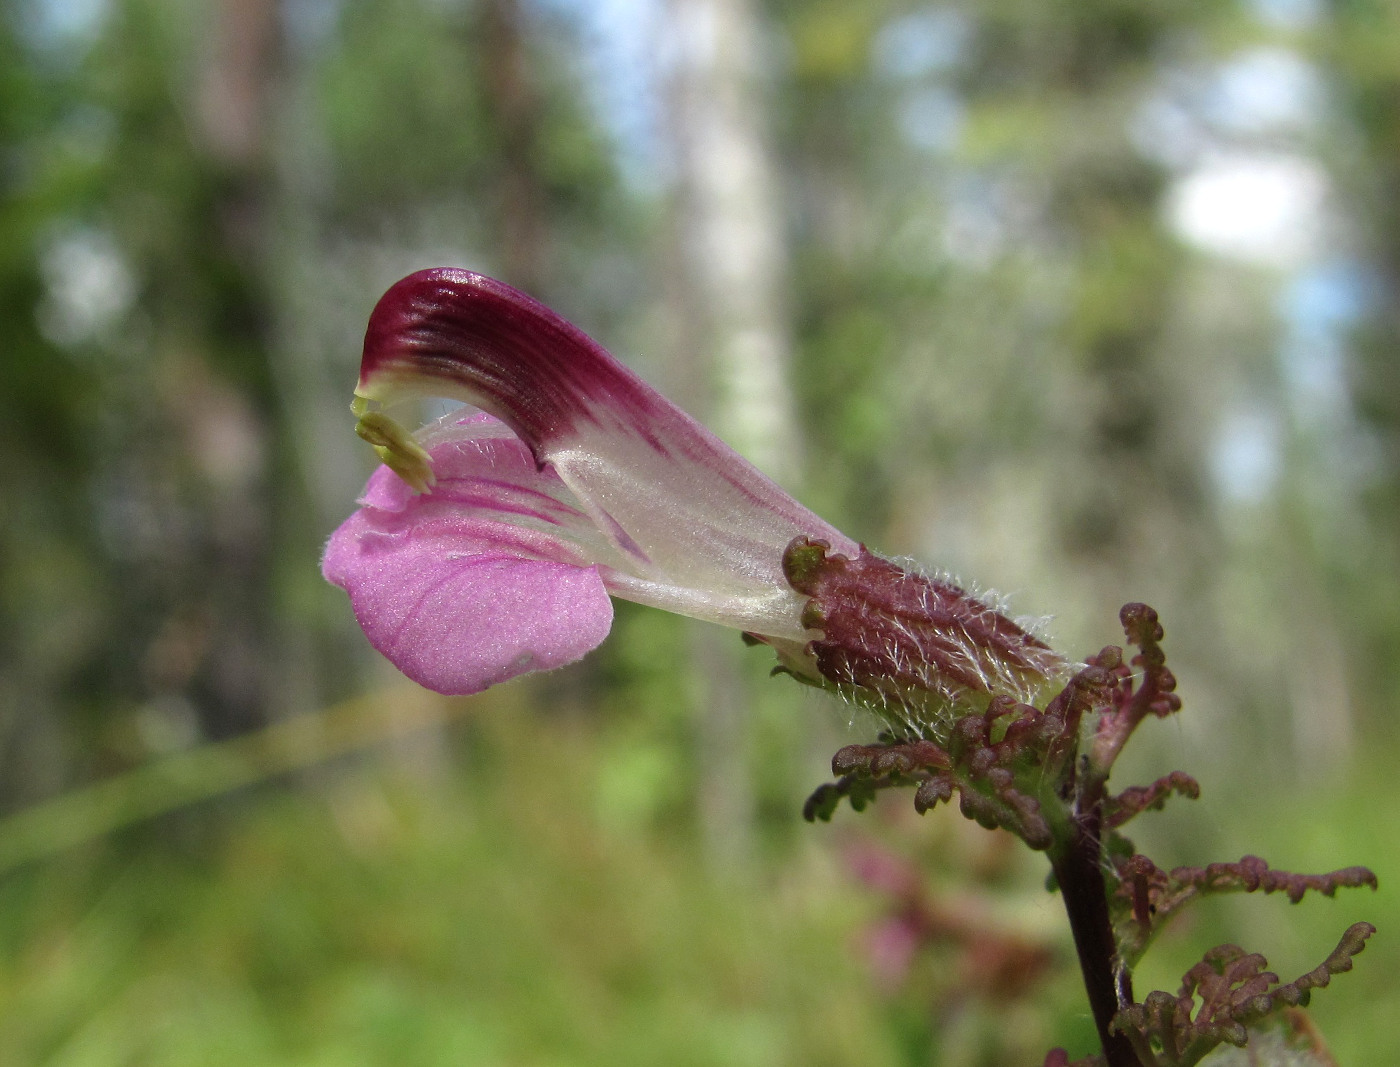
(314, 362)
(514, 108)
(729, 273)
(732, 269)
(1366, 568)
(169, 487)
(234, 440)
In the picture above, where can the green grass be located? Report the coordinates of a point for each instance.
(501, 890)
(401, 914)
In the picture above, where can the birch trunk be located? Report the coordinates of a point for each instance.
(729, 276)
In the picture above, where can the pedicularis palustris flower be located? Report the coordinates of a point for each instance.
(490, 543)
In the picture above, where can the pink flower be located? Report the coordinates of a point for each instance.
(489, 544)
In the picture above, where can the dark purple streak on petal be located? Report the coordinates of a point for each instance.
(491, 495)
(623, 539)
(494, 504)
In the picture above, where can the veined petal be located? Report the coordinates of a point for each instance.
(482, 470)
(488, 548)
(491, 575)
(697, 529)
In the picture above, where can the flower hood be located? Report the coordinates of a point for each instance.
(489, 543)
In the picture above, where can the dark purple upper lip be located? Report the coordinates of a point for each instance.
(454, 333)
(535, 370)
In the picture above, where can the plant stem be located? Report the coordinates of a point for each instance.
(1078, 871)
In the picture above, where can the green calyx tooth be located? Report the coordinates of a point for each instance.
(395, 445)
(804, 559)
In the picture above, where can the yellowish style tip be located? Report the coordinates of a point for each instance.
(395, 445)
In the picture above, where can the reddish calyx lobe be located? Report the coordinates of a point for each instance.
(898, 633)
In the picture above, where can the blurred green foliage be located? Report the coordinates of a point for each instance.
(1010, 358)
(541, 908)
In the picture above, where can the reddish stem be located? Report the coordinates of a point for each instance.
(1079, 872)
